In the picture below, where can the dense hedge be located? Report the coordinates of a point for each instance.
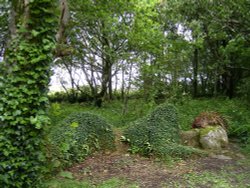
(72, 96)
(157, 133)
(79, 135)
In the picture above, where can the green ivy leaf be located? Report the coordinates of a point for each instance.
(34, 33)
(66, 174)
(33, 120)
(17, 112)
(74, 125)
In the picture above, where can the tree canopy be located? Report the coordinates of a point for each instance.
(194, 47)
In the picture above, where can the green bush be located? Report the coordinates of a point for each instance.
(157, 133)
(72, 95)
(244, 89)
(79, 135)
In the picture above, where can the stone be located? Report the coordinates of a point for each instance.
(240, 156)
(213, 138)
(221, 157)
(190, 138)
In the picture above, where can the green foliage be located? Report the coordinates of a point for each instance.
(244, 89)
(66, 183)
(72, 96)
(115, 183)
(222, 46)
(246, 147)
(111, 111)
(66, 174)
(219, 179)
(157, 133)
(79, 135)
(235, 111)
(110, 183)
(24, 78)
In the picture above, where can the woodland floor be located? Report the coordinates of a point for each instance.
(229, 168)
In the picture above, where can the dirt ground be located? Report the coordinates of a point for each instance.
(228, 167)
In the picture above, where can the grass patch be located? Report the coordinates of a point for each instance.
(211, 179)
(111, 183)
(64, 183)
(112, 111)
(117, 183)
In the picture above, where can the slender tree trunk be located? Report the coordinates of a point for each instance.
(116, 83)
(110, 85)
(123, 84)
(91, 80)
(65, 88)
(73, 94)
(126, 97)
(12, 22)
(216, 78)
(195, 73)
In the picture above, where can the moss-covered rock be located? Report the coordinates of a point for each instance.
(213, 138)
(210, 137)
(79, 135)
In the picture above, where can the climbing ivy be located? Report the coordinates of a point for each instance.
(24, 78)
(79, 135)
(158, 134)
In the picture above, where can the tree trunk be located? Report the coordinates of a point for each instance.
(126, 96)
(23, 93)
(110, 85)
(123, 84)
(195, 73)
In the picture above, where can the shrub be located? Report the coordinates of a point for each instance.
(244, 89)
(79, 135)
(79, 95)
(157, 133)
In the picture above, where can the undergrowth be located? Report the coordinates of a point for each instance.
(111, 111)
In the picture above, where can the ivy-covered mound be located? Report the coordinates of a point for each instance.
(157, 133)
(79, 135)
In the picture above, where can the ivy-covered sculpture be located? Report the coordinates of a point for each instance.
(79, 135)
(157, 134)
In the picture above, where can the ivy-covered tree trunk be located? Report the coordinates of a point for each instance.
(24, 81)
